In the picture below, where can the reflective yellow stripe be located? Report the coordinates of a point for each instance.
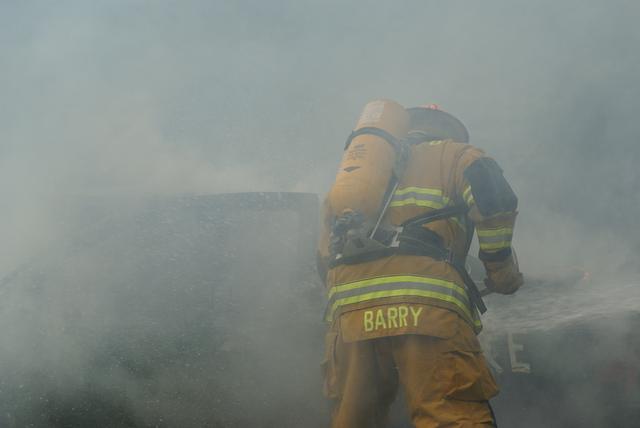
(402, 286)
(468, 196)
(507, 231)
(436, 142)
(476, 321)
(397, 286)
(466, 192)
(419, 196)
(495, 239)
(422, 190)
(397, 293)
(495, 246)
(394, 279)
(431, 198)
(416, 202)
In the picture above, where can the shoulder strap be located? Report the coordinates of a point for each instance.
(435, 215)
(391, 190)
(370, 130)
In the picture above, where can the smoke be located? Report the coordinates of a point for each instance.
(120, 102)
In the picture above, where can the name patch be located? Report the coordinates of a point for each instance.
(391, 317)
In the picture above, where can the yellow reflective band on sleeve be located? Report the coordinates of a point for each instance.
(495, 239)
(495, 246)
(506, 231)
(468, 196)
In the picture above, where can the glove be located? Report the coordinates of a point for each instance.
(503, 277)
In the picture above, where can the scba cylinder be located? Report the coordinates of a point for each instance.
(369, 158)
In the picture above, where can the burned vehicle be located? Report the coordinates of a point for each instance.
(194, 311)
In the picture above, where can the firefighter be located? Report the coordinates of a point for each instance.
(402, 310)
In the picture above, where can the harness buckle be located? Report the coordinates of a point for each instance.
(395, 240)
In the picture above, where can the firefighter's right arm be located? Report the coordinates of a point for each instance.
(493, 209)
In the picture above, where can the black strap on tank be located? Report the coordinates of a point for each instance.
(472, 288)
(370, 130)
(412, 242)
(435, 215)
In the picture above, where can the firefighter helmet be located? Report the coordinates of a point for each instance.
(429, 122)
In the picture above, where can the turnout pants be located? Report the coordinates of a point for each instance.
(446, 380)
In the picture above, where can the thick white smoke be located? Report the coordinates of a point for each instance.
(120, 101)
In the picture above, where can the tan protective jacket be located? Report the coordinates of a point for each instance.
(407, 294)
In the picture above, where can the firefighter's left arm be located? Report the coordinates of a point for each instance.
(493, 209)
